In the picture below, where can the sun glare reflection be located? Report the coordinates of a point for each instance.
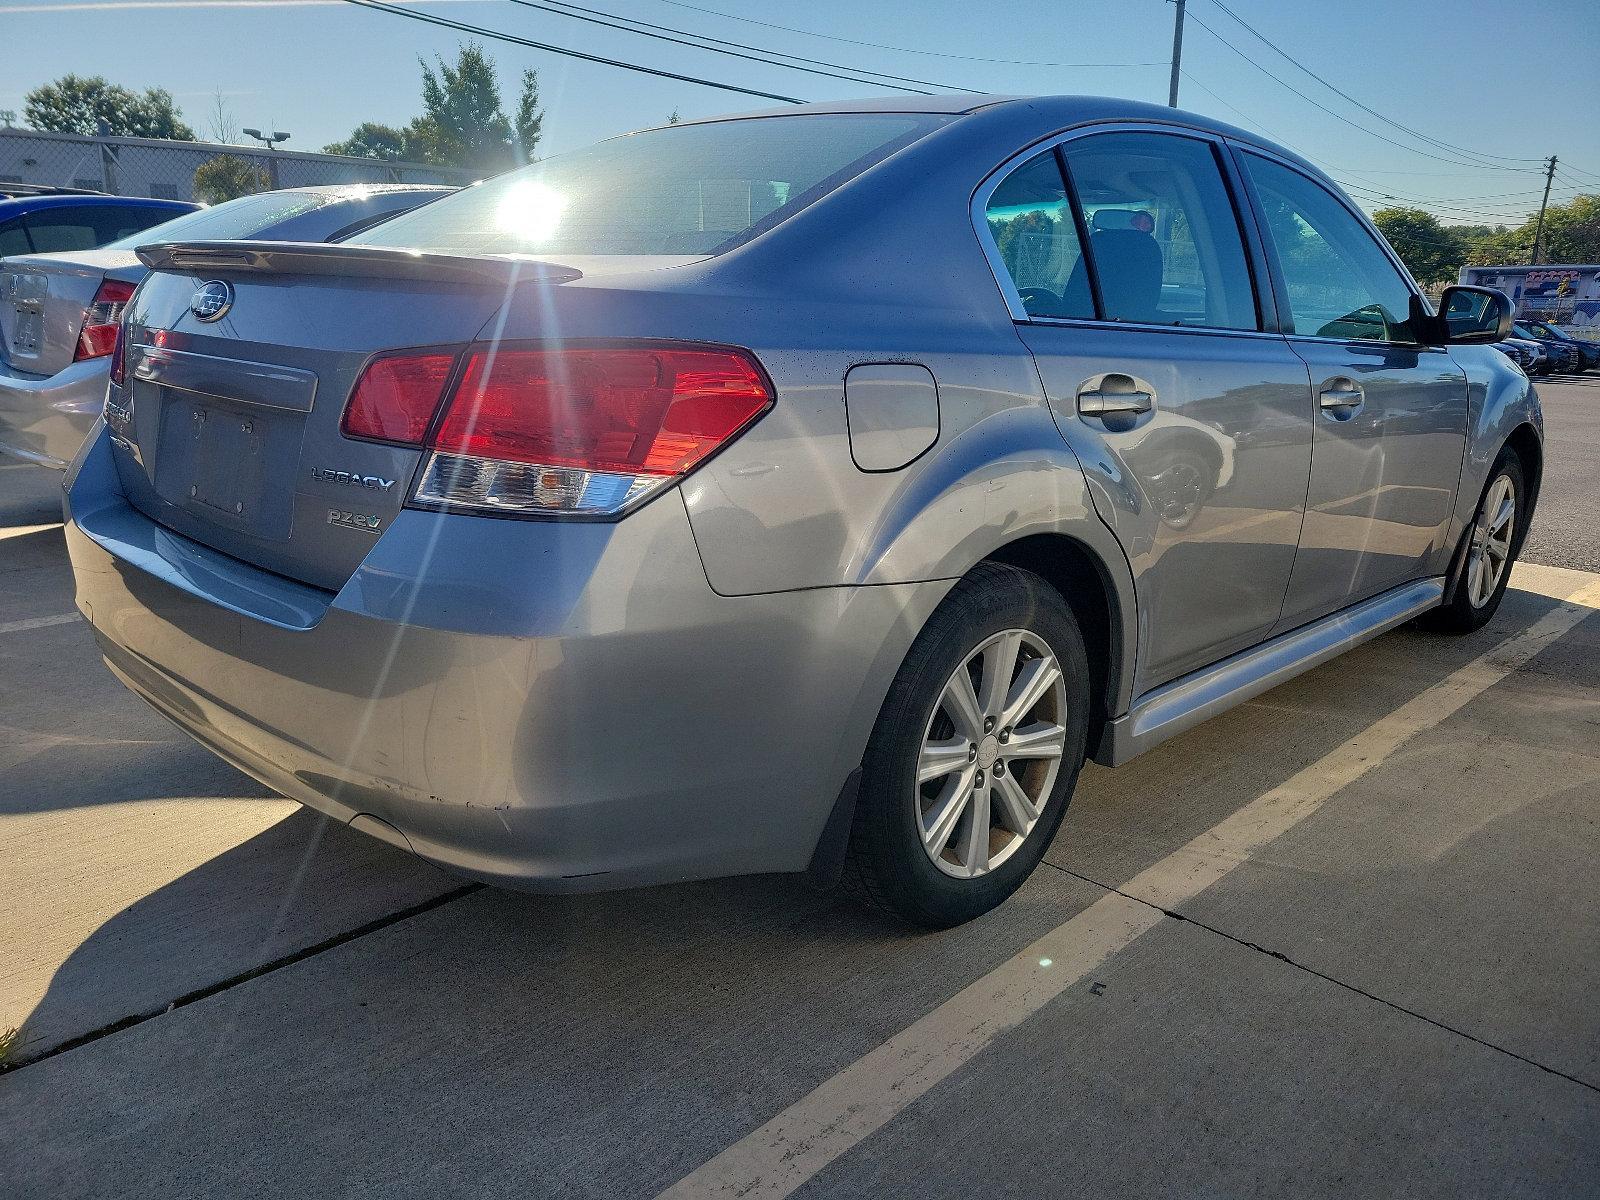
(532, 211)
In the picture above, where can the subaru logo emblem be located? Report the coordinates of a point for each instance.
(212, 301)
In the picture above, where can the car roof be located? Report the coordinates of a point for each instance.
(24, 204)
(1041, 113)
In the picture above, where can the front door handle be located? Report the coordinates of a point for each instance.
(1341, 394)
(1116, 394)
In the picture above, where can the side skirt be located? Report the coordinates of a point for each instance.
(1182, 704)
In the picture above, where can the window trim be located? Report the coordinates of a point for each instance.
(1280, 285)
(1254, 252)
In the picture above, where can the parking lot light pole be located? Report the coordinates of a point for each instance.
(1538, 230)
(1177, 54)
(270, 141)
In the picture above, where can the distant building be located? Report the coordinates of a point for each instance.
(1566, 295)
(126, 166)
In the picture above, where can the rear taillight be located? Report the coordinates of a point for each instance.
(118, 350)
(101, 318)
(395, 398)
(588, 430)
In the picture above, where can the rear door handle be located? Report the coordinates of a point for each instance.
(1130, 399)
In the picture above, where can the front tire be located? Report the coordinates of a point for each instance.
(975, 753)
(1492, 543)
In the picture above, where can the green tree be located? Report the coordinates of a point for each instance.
(371, 140)
(80, 104)
(463, 124)
(1572, 231)
(1431, 250)
(1494, 245)
(528, 124)
(227, 177)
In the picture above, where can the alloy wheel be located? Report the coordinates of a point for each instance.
(1490, 553)
(990, 754)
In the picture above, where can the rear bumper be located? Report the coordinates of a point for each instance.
(561, 706)
(44, 419)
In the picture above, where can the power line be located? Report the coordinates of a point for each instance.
(1340, 116)
(1383, 195)
(1422, 137)
(496, 35)
(828, 37)
(719, 46)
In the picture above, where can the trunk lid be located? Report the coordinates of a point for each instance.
(43, 299)
(227, 430)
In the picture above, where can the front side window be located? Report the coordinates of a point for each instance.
(1033, 230)
(1339, 281)
(1163, 233)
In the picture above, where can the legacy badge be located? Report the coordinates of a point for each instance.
(350, 479)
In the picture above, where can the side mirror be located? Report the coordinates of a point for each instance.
(1470, 316)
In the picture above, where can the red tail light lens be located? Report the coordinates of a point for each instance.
(101, 319)
(118, 348)
(395, 398)
(588, 430)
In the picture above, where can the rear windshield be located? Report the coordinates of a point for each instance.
(684, 189)
(232, 219)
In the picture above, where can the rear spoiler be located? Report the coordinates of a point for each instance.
(320, 258)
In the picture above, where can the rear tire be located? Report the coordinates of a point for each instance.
(1492, 542)
(936, 764)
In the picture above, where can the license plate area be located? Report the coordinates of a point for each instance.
(27, 330)
(216, 460)
(227, 460)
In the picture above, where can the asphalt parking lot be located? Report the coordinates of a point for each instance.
(1342, 940)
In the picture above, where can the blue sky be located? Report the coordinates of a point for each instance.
(1469, 72)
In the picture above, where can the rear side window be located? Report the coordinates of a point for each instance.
(1339, 281)
(685, 189)
(121, 220)
(1163, 232)
(1032, 227)
(13, 238)
(55, 230)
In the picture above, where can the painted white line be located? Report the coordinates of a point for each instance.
(24, 530)
(811, 1133)
(38, 622)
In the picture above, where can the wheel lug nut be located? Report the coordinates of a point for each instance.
(999, 768)
(972, 754)
(978, 782)
(988, 724)
(1005, 736)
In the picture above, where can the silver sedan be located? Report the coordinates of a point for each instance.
(804, 491)
(59, 312)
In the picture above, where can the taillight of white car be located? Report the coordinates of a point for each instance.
(582, 430)
(101, 319)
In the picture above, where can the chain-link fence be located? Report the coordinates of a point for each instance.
(127, 166)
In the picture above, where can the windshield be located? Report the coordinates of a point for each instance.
(685, 189)
(232, 219)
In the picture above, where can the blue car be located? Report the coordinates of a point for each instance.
(45, 224)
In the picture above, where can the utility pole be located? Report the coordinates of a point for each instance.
(1177, 54)
(1538, 230)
